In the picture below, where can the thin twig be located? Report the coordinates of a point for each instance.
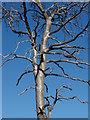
(31, 87)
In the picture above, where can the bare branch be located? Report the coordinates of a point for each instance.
(59, 98)
(46, 87)
(68, 41)
(9, 59)
(48, 103)
(65, 46)
(68, 61)
(54, 39)
(69, 77)
(31, 87)
(70, 55)
(36, 28)
(26, 21)
(39, 52)
(37, 2)
(26, 72)
(66, 98)
(62, 87)
(15, 31)
(71, 18)
(61, 68)
(21, 42)
(35, 11)
(16, 56)
(68, 31)
(10, 18)
(53, 104)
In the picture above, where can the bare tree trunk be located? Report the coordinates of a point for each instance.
(63, 16)
(39, 74)
(40, 96)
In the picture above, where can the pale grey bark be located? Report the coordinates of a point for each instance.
(40, 72)
(58, 47)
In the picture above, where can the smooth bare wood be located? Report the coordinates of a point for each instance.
(49, 22)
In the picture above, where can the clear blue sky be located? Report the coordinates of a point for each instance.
(24, 106)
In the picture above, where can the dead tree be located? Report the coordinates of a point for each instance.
(47, 45)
